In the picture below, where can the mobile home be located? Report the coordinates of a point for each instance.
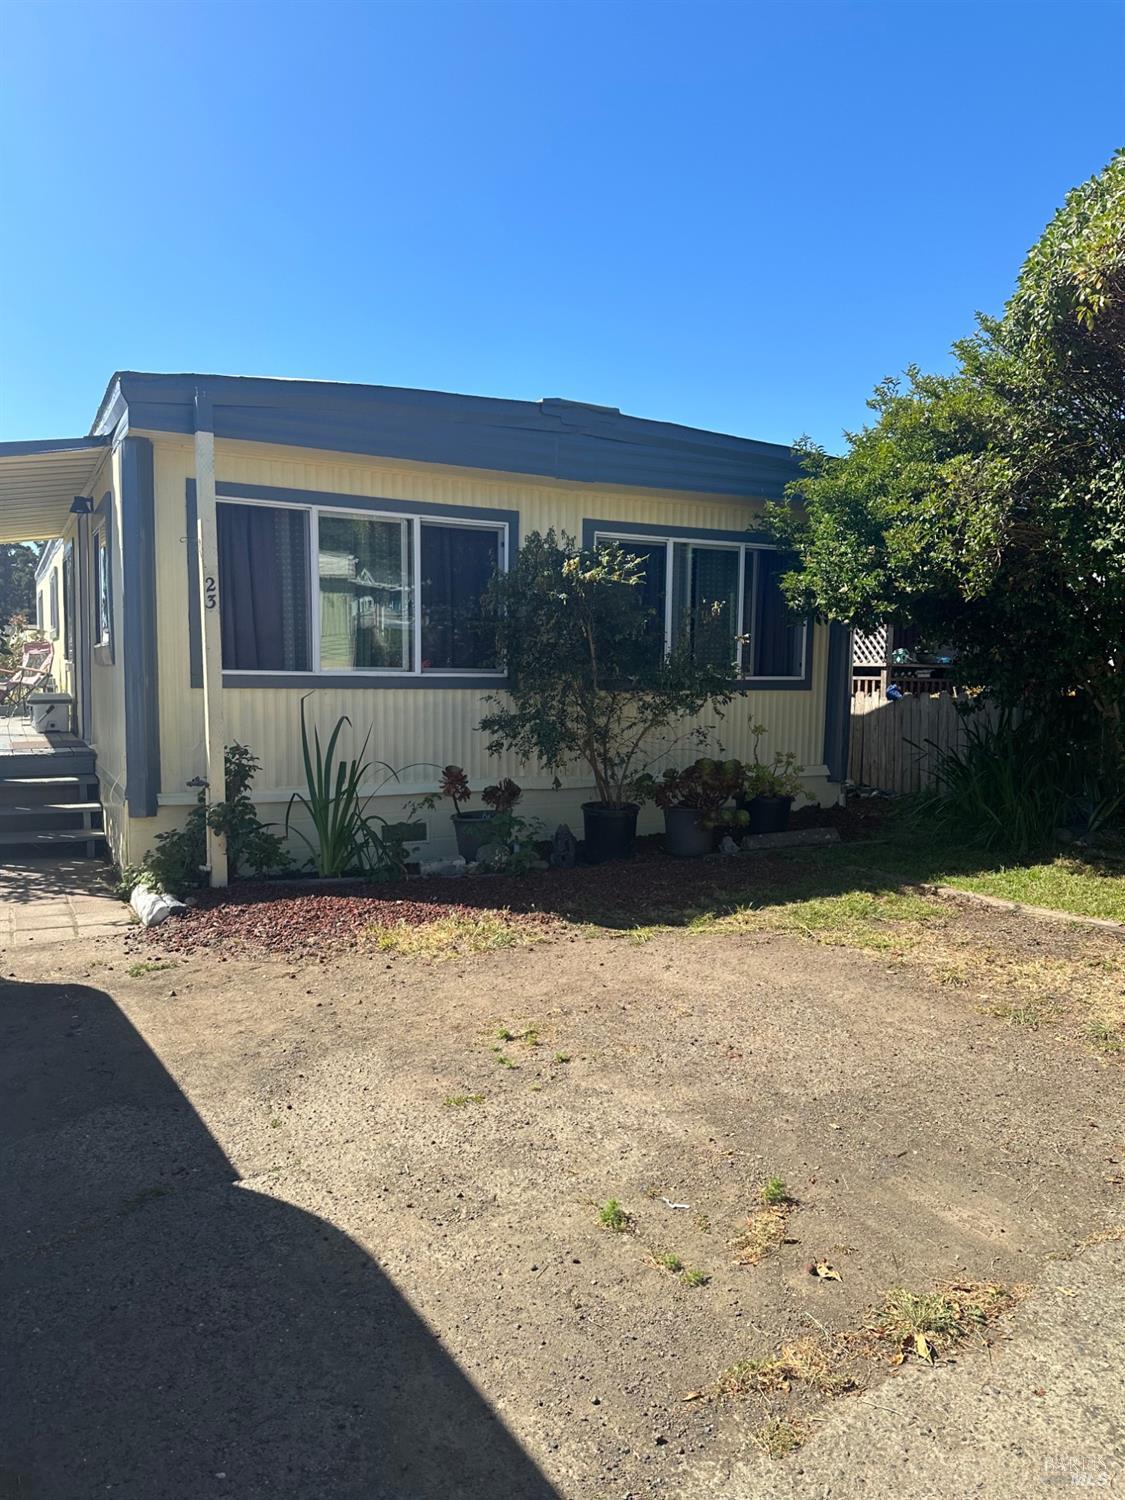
(223, 548)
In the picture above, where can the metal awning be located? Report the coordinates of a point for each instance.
(38, 483)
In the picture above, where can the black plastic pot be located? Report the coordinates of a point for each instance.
(684, 835)
(611, 832)
(768, 814)
(473, 830)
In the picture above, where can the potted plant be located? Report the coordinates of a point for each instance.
(695, 802)
(769, 788)
(473, 829)
(587, 683)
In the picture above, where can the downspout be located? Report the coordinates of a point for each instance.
(838, 704)
(207, 546)
(83, 613)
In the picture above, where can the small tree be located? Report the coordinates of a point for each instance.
(17, 580)
(587, 679)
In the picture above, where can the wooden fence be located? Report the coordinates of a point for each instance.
(893, 741)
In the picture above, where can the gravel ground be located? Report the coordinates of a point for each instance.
(290, 1228)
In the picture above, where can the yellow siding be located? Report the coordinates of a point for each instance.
(61, 669)
(411, 725)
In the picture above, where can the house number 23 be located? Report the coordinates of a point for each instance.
(210, 593)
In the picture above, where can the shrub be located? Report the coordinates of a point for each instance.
(585, 683)
(779, 777)
(177, 862)
(1013, 784)
(706, 786)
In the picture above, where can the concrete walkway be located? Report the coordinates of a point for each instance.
(52, 900)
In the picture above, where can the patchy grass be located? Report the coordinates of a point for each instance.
(451, 936)
(875, 920)
(1065, 884)
(615, 1218)
(907, 1314)
(152, 966)
(1104, 1038)
(459, 1101)
(779, 1437)
(666, 1260)
(774, 1192)
(529, 1036)
(1079, 882)
(1030, 1013)
(926, 1323)
(805, 1362)
(764, 1233)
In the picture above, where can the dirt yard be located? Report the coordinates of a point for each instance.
(334, 1226)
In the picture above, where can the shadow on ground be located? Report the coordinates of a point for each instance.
(168, 1334)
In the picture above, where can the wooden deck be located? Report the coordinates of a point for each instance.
(25, 751)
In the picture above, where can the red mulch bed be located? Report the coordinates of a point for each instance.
(287, 917)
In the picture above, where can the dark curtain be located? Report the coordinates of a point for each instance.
(651, 590)
(263, 582)
(777, 633)
(458, 632)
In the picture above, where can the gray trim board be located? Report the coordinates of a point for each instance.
(225, 490)
(552, 438)
(705, 534)
(838, 699)
(356, 681)
(326, 500)
(51, 445)
(138, 634)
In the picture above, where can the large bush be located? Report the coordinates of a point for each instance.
(987, 507)
(588, 682)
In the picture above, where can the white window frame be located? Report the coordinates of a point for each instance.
(103, 628)
(742, 548)
(414, 520)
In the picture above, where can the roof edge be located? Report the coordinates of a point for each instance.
(554, 437)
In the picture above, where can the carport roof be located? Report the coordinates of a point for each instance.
(39, 481)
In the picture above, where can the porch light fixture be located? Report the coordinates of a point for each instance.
(82, 505)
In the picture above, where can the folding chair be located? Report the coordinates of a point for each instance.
(33, 671)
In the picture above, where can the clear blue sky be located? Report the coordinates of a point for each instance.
(734, 216)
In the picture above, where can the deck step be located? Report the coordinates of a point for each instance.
(16, 817)
(30, 838)
(48, 796)
(12, 809)
(19, 767)
(34, 791)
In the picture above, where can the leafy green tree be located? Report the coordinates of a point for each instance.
(987, 506)
(17, 581)
(587, 679)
